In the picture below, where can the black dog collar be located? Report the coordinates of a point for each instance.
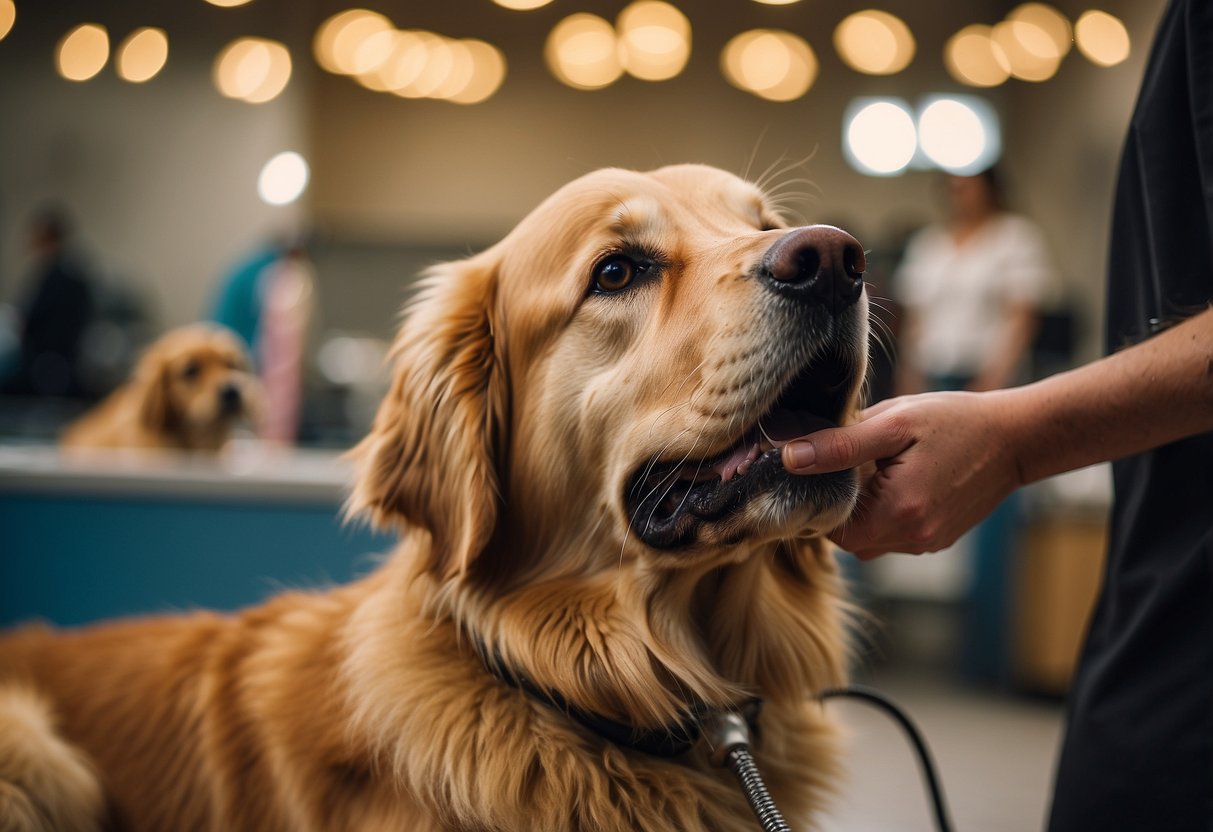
(671, 740)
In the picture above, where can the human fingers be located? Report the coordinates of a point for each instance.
(836, 449)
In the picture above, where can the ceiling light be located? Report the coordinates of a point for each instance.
(769, 63)
(142, 55)
(874, 42)
(583, 52)
(83, 52)
(655, 38)
(283, 179)
(972, 57)
(879, 136)
(1102, 38)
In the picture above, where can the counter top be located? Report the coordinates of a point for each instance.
(244, 471)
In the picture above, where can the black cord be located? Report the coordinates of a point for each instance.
(939, 804)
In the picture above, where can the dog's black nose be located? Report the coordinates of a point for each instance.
(229, 398)
(816, 264)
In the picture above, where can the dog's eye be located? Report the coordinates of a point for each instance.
(615, 273)
(190, 371)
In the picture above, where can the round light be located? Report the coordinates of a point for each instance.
(880, 138)
(409, 67)
(283, 179)
(655, 38)
(255, 70)
(1102, 38)
(972, 57)
(487, 75)
(874, 42)
(522, 5)
(583, 52)
(439, 65)
(458, 74)
(339, 41)
(83, 52)
(142, 55)
(227, 4)
(8, 16)
(960, 137)
(776, 2)
(1043, 21)
(771, 64)
(1029, 50)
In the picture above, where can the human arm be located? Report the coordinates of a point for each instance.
(944, 460)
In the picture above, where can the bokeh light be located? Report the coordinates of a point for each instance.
(1102, 38)
(142, 55)
(959, 134)
(655, 39)
(255, 70)
(776, 2)
(583, 52)
(1030, 52)
(874, 42)
(227, 4)
(972, 57)
(283, 179)
(338, 45)
(1042, 20)
(522, 5)
(83, 52)
(769, 63)
(879, 136)
(487, 75)
(8, 16)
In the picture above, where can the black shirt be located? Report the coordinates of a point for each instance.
(1138, 753)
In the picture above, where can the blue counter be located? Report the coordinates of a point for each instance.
(88, 539)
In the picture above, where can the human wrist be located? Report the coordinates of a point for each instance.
(1012, 412)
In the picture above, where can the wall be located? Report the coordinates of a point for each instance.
(159, 176)
(162, 174)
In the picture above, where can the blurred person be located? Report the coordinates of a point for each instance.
(1138, 750)
(287, 310)
(268, 300)
(970, 290)
(52, 314)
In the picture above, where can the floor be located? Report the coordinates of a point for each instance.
(995, 754)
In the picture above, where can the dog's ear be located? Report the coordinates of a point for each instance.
(431, 458)
(151, 379)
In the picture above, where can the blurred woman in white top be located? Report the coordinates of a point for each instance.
(971, 289)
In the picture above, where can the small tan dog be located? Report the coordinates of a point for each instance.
(599, 544)
(188, 390)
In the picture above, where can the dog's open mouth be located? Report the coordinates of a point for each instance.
(666, 500)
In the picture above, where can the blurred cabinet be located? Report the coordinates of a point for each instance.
(1058, 576)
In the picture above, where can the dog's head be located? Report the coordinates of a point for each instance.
(194, 383)
(612, 380)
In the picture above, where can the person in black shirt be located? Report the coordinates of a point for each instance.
(53, 315)
(1138, 751)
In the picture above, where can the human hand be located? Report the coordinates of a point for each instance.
(943, 462)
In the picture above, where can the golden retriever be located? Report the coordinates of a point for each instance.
(187, 392)
(596, 533)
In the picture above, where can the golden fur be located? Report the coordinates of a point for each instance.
(519, 408)
(174, 398)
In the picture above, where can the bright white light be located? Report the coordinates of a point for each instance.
(283, 178)
(960, 136)
(879, 138)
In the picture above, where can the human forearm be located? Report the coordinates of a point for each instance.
(1147, 395)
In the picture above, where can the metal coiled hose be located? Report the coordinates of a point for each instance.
(741, 762)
